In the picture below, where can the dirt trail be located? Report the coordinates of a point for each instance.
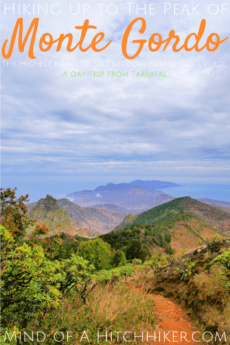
(173, 318)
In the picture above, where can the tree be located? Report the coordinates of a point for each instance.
(14, 212)
(168, 237)
(134, 250)
(119, 259)
(76, 275)
(169, 250)
(145, 253)
(97, 252)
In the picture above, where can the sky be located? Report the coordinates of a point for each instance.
(63, 134)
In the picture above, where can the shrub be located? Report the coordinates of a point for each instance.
(136, 262)
(106, 276)
(97, 252)
(159, 261)
(223, 258)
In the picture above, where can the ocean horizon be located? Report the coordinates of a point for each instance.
(218, 191)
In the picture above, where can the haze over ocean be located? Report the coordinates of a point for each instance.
(218, 191)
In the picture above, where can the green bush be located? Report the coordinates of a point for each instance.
(30, 282)
(97, 252)
(159, 261)
(106, 276)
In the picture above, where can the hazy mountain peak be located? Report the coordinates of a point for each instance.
(66, 202)
(48, 204)
(154, 184)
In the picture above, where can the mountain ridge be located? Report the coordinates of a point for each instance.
(218, 219)
(100, 219)
(154, 184)
(208, 201)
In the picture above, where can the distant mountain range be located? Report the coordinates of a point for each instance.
(134, 200)
(153, 185)
(112, 207)
(116, 205)
(215, 202)
(134, 197)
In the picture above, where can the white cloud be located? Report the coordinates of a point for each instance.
(118, 123)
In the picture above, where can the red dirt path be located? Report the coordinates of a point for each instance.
(173, 318)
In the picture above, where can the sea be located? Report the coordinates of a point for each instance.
(217, 191)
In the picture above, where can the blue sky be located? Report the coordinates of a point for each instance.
(61, 134)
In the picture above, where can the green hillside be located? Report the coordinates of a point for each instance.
(149, 236)
(182, 232)
(160, 213)
(218, 219)
(128, 219)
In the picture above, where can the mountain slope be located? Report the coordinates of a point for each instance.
(225, 209)
(101, 219)
(91, 220)
(182, 232)
(112, 207)
(218, 219)
(199, 281)
(128, 220)
(57, 221)
(49, 212)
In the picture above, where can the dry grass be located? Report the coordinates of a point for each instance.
(142, 278)
(123, 306)
(118, 308)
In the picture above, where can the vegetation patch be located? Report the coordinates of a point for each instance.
(137, 241)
